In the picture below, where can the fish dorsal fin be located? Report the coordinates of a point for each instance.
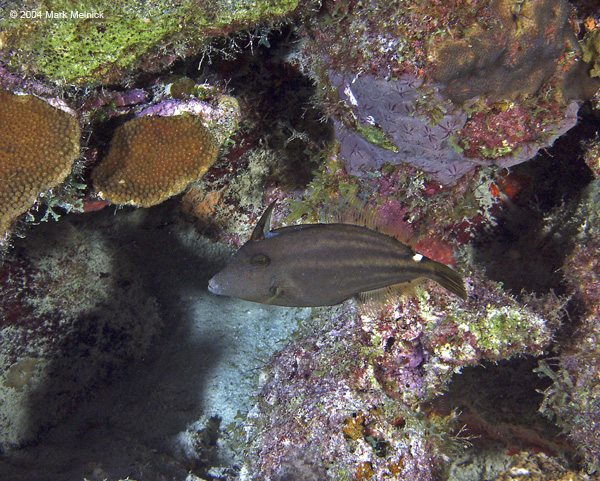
(262, 229)
(373, 302)
(349, 212)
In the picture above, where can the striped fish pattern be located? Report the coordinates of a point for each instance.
(323, 265)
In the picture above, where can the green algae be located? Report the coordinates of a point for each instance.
(503, 327)
(376, 135)
(591, 51)
(496, 328)
(99, 41)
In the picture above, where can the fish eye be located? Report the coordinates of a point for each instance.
(260, 260)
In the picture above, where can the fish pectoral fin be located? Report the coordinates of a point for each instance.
(371, 302)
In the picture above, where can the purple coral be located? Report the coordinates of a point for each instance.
(403, 87)
(15, 82)
(388, 105)
(168, 108)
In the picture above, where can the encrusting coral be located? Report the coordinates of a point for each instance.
(153, 158)
(39, 144)
(515, 55)
(92, 41)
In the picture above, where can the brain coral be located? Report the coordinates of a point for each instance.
(153, 158)
(38, 145)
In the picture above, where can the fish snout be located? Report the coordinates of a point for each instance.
(213, 286)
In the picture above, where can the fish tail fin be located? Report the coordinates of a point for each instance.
(447, 278)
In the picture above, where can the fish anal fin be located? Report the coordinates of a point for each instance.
(376, 301)
(453, 285)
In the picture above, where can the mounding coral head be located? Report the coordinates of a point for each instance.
(153, 158)
(38, 146)
(515, 56)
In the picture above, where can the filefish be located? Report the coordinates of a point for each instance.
(313, 265)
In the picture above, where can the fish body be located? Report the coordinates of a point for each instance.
(323, 265)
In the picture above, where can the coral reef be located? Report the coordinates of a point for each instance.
(346, 398)
(71, 312)
(434, 218)
(419, 110)
(592, 156)
(110, 112)
(387, 128)
(40, 143)
(539, 467)
(511, 53)
(273, 153)
(385, 109)
(154, 158)
(221, 117)
(591, 44)
(573, 400)
(314, 422)
(496, 404)
(19, 83)
(442, 104)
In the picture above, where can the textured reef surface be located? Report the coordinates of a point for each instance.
(140, 142)
(103, 42)
(446, 88)
(32, 130)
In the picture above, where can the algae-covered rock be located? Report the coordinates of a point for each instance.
(573, 400)
(71, 312)
(353, 389)
(100, 41)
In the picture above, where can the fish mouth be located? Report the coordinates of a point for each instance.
(213, 286)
